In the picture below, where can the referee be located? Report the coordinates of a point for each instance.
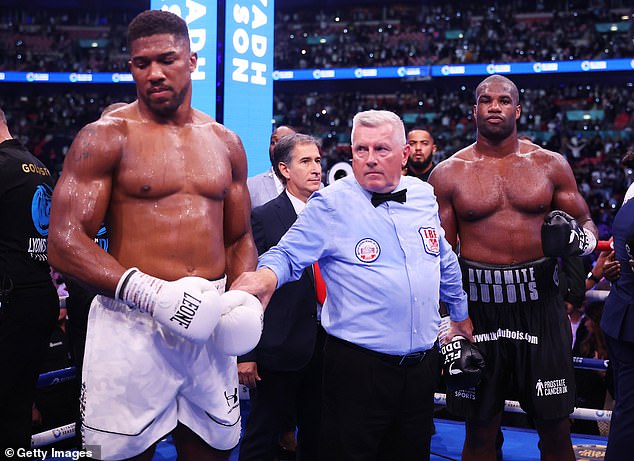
(383, 255)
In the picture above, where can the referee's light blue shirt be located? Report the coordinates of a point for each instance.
(385, 268)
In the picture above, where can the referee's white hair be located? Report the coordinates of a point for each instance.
(374, 118)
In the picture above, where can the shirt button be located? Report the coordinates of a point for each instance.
(415, 331)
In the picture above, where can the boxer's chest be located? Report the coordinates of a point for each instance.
(503, 186)
(170, 161)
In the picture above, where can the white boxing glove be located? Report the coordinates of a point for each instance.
(189, 307)
(240, 326)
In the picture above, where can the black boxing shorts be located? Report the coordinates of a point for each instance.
(521, 327)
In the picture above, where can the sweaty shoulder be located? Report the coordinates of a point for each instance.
(231, 139)
(457, 164)
(103, 138)
(548, 160)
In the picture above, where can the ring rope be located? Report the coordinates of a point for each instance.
(42, 439)
(597, 295)
(511, 406)
(67, 431)
(56, 377)
(590, 364)
(66, 374)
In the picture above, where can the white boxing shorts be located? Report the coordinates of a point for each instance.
(139, 380)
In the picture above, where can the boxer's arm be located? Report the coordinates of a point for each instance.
(451, 291)
(80, 201)
(566, 196)
(440, 179)
(240, 251)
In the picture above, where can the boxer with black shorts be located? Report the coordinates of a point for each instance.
(169, 183)
(508, 203)
(517, 305)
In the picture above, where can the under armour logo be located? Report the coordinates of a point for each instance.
(232, 399)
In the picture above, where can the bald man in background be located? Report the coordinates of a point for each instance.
(266, 186)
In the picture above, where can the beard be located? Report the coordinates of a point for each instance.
(169, 107)
(420, 166)
(495, 133)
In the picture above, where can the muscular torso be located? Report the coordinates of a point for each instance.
(166, 207)
(500, 203)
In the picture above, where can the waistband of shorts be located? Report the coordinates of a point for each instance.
(119, 306)
(508, 283)
(220, 283)
(413, 358)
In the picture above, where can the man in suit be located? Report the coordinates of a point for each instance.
(268, 185)
(286, 364)
(618, 325)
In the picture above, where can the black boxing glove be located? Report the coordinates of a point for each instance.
(462, 364)
(562, 236)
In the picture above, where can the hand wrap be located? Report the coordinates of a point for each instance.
(189, 307)
(562, 236)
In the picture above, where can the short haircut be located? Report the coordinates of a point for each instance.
(3, 118)
(433, 141)
(283, 150)
(374, 118)
(499, 78)
(154, 22)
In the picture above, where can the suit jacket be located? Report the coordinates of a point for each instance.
(262, 188)
(617, 320)
(290, 320)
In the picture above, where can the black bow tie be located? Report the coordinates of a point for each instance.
(378, 198)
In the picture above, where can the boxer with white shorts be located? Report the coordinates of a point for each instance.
(171, 379)
(170, 185)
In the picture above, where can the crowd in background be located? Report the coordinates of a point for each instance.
(52, 41)
(393, 34)
(440, 33)
(46, 122)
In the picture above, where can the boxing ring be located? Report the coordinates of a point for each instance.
(67, 431)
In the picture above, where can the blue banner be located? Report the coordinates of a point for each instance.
(201, 17)
(547, 67)
(514, 68)
(350, 73)
(65, 77)
(248, 86)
